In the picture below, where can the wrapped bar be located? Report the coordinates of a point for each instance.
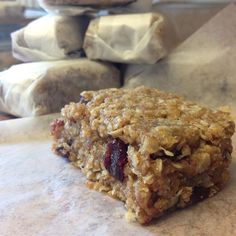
(81, 7)
(152, 150)
(130, 38)
(47, 38)
(90, 3)
(39, 88)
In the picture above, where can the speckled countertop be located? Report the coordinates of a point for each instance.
(41, 194)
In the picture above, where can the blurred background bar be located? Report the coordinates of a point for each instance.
(13, 16)
(29, 3)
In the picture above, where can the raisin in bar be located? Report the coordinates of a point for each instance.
(152, 150)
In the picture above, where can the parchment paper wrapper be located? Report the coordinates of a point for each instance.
(47, 38)
(39, 88)
(132, 38)
(10, 9)
(80, 7)
(44, 195)
(202, 68)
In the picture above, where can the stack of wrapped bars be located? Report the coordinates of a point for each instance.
(72, 49)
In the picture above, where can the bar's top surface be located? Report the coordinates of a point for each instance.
(149, 117)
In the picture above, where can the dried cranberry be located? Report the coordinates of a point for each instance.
(153, 156)
(200, 193)
(56, 127)
(116, 158)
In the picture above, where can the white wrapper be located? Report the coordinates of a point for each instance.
(134, 38)
(73, 8)
(47, 38)
(10, 9)
(66, 10)
(202, 68)
(45, 87)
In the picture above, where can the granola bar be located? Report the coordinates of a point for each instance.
(93, 3)
(152, 150)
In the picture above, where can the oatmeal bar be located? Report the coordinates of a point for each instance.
(138, 38)
(92, 3)
(152, 150)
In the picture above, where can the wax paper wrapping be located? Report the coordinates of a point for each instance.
(72, 8)
(202, 68)
(39, 88)
(42, 194)
(47, 38)
(10, 9)
(131, 38)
